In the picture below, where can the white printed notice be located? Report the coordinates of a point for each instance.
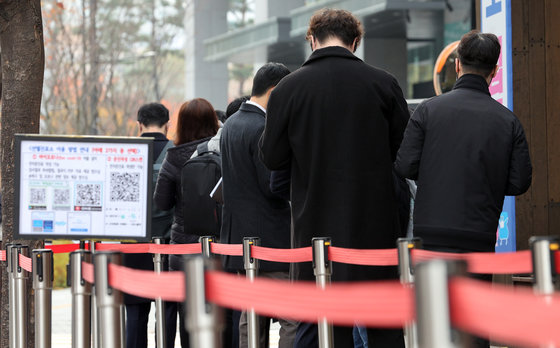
(83, 187)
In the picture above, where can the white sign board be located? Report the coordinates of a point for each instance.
(83, 187)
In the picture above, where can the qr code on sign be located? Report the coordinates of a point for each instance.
(88, 195)
(61, 197)
(37, 196)
(125, 187)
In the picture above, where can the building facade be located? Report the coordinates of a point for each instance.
(403, 37)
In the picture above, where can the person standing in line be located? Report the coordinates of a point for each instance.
(338, 122)
(250, 209)
(231, 316)
(196, 123)
(153, 122)
(466, 151)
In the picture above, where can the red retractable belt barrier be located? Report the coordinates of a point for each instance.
(125, 248)
(227, 249)
(282, 255)
(167, 285)
(64, 248)
(194, 248)
(380, 304)
(25, 263)
(2, 255)
(87, 272)
(497, 263)
(500, 263)
(368, 257)
(504, 314)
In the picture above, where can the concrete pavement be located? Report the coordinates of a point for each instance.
(62, 323)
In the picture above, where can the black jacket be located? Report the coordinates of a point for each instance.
(338, 122)
(250, 208)
(144, 261)
(466, 152)
(167, 193)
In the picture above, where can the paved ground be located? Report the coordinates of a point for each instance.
(62, 323)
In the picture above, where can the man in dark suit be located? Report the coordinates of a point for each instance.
(250, 209)
(153, 120)
(338, 123)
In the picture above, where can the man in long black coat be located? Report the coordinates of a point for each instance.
(339, 123)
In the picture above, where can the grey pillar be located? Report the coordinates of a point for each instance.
(204, 320)
(265, 9)
(544, 270)
(206, 245)
(209, 80)
(94, 319)
(12, 295)
(21, 276)
(81, 300)
(109, 301)
(322, 268)
(389, 54)
(43, 276)
(160, 311)
(251, 270)
(432, 304)
(404, 246)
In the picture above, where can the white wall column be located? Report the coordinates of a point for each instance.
(208, 80)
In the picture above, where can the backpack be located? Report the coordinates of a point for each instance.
(202, 215)
(161, 219)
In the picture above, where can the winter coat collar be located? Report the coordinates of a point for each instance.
(472, 81)
(179, 154)
(251, 108)
(331, 51)
(155, 135)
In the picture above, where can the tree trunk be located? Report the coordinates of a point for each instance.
(155, 52)
(94, 69)
(21, 42)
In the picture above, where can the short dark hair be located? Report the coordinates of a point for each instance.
(221, 115)
(268, 76)
(196, 120)
(479, 52)
(235, 104)
(153, 114)
(341, 24)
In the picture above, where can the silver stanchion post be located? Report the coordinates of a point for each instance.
(94, 319)
(43, 276)
(544, 270)
(20, 289)
(251, 270)
(12, 294)
(206, 245)
(81, 300)
(204, 320)
(432, 304)
(109, 300)
(160, 317)
(404, 246)
(322, 268)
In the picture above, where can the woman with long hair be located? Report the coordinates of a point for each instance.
(196, 123)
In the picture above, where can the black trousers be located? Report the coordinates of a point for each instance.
(137, 324)
(307, 337)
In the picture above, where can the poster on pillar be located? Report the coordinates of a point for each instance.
(495, 18)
